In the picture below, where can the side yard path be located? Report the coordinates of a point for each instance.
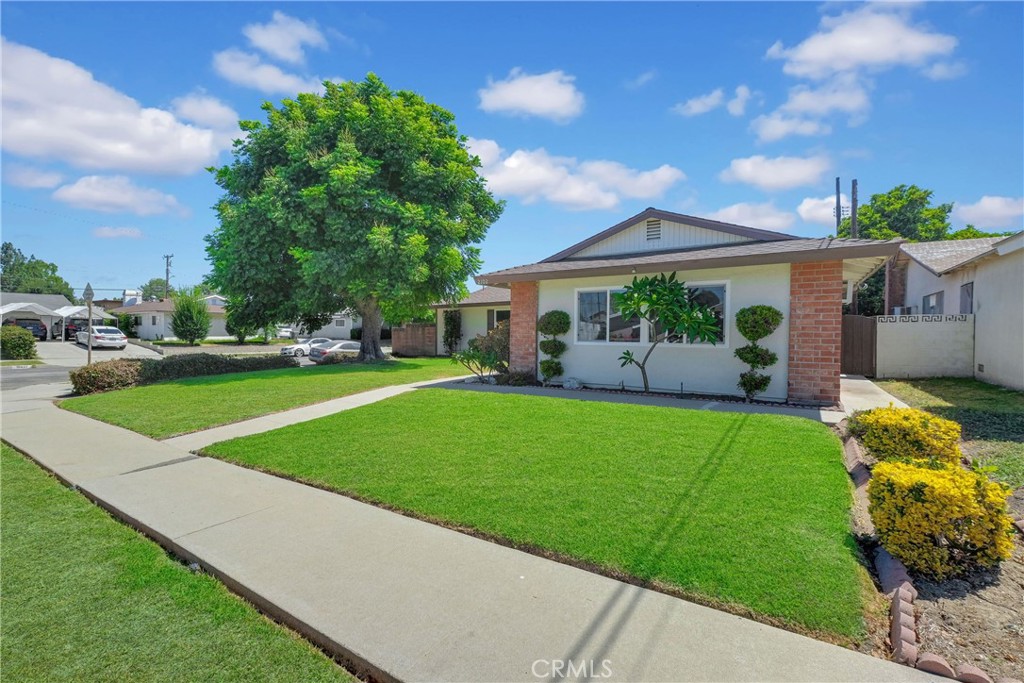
(407, 599)
(86, 598)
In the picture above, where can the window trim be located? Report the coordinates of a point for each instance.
(727, 283)
(608, 289)
(964, 285)
(940, 297)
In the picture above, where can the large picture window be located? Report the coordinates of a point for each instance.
(712, 296)
(598, 321)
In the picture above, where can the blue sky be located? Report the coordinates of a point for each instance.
(583, 114)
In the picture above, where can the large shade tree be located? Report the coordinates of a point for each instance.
(30, 275)
(362, 198)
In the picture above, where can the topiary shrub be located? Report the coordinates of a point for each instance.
(452, 330)
(551, 325)
(907, 434)
(754, 323)
(16, 343)
(940, 522)
(108, 375)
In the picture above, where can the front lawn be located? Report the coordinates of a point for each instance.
(992, 418)
(745, 509)
(254, 341)
(87, 599)
(189, 405)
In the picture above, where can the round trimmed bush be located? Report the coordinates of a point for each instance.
(550, 368)
(108, 375)
(553, 347)
(907, 434)
(554, 323)
(757, 322)
(756, 356)
(16, 343)
(753, 383)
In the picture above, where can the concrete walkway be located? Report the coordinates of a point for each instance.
(860, 393)
(404, 599)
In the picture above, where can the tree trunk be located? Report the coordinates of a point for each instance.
(369, 345)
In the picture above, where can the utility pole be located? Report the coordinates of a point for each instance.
(88, 296)
(167, 274)
(839, 208)
(854, 230)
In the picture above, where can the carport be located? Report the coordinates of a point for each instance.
(82, 313)
(36, 310)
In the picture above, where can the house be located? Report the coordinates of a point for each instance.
(341, 326)
(981, 279)
(730, 266)
(481, 311)
(153, 319)
(215, 300)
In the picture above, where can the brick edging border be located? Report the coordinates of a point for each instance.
(897, 585)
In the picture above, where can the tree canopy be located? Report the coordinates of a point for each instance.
(361, 197)
(154, 289)
(30, 275)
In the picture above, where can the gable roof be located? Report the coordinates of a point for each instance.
(488, 296)
(753, 234)
(943, 256)
(51, 301)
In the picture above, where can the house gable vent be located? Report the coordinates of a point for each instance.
(653, 229)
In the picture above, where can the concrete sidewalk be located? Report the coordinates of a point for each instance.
(407, 600)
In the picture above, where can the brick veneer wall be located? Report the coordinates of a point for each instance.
(815, 330)
(896, 282)
(523, 328)
(414, 339)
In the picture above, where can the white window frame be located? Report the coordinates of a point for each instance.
(725, 318)
(339, 322)
(576, 318)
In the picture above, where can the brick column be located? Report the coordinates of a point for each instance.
(523, 328)
(815, 330)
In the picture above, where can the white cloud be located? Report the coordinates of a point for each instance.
(641, 80)
(701, 104)
(117, 194)
(845, 93)
(54, 109)
(776, 126)
(285, 37)
(779, 173)
(535, 175)
(874, 37)
(247, 69)
(945, 71)
(205, 110)
(821, 211)
(552, 95)
(737, 106)
(32, 178)
(992, 212)
(765, 216)
(109, 233)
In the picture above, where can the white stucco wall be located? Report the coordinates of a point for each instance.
(700, 368)
(474, 322)
(333, 330)
(999, 320)
(921, 282)
(147, 330)
(925, 346)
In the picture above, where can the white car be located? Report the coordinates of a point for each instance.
(103, 338)
(302, 347)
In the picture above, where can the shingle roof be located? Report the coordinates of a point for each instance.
(751, 253)
(940, 257)
(488, 296)
(51, 301)
(162, 306)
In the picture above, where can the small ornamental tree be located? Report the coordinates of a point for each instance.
(669, 307)
(190, 320)
(754, 323)
(452, 330)
(551, 325)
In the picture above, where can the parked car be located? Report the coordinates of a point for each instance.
(318, 353)
(36, 327)
(302, 347)
(73, 327)
(103, 338)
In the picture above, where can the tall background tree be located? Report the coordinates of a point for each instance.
(904, 212)
(30, 275)
(362, 198)
(154, 289)
(190, 320)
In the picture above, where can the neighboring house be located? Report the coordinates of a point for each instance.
(983, 277)
(340, 327)
(50, 301)
(481, 311)
(216, 300)
(731, 266)
(107, 304)
(153, 319)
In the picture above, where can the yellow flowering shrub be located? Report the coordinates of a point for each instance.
(907, 434)
(940, 522)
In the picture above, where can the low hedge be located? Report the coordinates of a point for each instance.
(907, 434)
(124, 373)
(16, 343)
(339, 357)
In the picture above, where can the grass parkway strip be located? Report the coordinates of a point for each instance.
(86, 598)
(188, 405)
(749, 510)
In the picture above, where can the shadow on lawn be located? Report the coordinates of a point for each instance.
(324, 371)
(674, 524)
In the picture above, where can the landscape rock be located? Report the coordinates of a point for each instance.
(571, 383)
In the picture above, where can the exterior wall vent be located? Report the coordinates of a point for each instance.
(653, 229)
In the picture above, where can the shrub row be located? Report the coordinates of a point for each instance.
(124, 373)
(16, 343)
(907, 434)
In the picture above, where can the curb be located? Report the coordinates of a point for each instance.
(145, 345)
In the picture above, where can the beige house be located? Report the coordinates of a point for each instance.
(982, 279)
(481, 311)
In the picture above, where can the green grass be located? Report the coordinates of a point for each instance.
(188, 405)
(744, 509)
(86, 598)
(992, 418)
(29, 361)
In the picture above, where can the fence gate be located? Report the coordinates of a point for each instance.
(859, 340)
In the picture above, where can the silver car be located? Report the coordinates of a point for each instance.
(302, 347)
(318, 353)
(103, 338)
